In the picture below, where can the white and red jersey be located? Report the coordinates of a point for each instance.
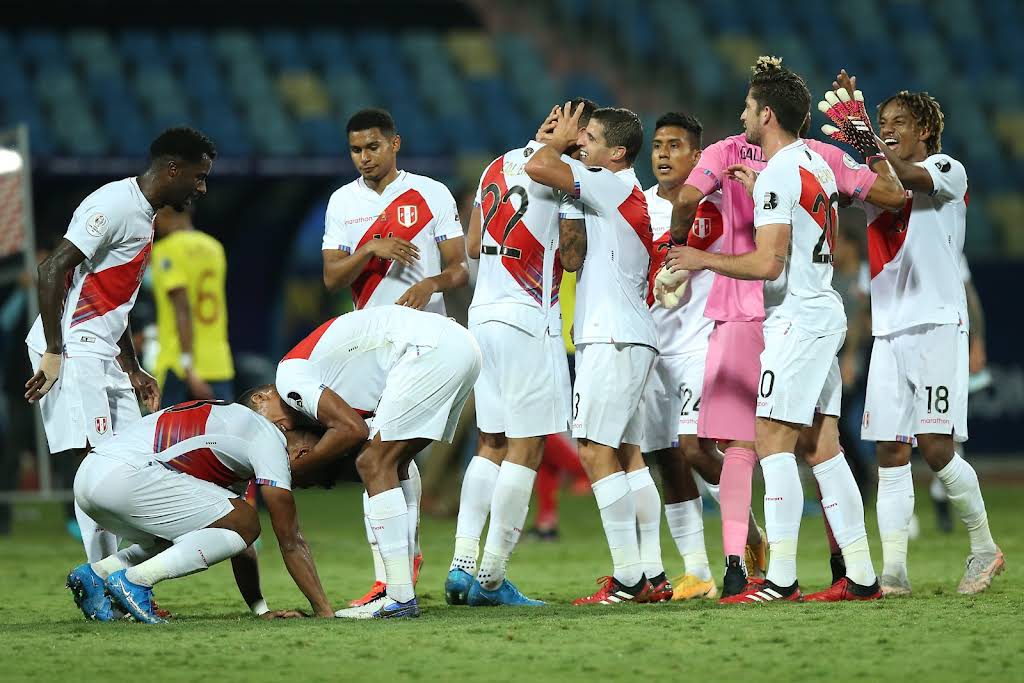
(352, 355)
(225, 444)
(412, 207)
(914, 255)
(611, 287)
(684, 329)
(520, 272)
(113, 228)
(798, 188)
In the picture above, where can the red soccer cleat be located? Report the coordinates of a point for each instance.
(762, 590)
(843, 590)
(160, 612)
(378, 589)
(659, 589)
(612, 592)
(417, 562)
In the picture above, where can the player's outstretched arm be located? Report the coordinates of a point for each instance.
(684, 211)
(766, 262)
(294, 549)
(887, 192)
(53, 274)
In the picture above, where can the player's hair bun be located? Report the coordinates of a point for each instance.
(766, 63)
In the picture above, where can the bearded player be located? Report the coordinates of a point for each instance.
(732, 370)
(522, 394)
(394, 237)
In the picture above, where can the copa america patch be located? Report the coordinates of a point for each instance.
(943, 165)
(527, 151)
(294, 396)
(96, 225)
(771, 201)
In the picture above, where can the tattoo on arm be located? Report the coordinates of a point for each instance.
(572, 243)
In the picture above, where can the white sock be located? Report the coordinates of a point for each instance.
(783, 507)
(961, 482)
(474, 504)
(378, 561)
(648, 517)
(412, 489)
(509, 507)
(389, 518)
(938, 491)
(123, 559)
(618, 516)
(99, 543)
(894, 507)
(193, 552)
(844, 509)
(686, 524)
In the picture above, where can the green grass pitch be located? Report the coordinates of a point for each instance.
(936, 635)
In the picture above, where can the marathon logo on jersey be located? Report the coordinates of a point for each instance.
(101, 425)
(771, 201)
(407, 215)
(702, 227)
(294, 396)
(943, 165)
(96, 225)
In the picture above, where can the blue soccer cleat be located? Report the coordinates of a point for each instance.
(134, 599)
(90, 594)
(456, 586)
(505, 594)
(392, 609)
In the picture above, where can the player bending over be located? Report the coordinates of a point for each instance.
(522, 394)
(172, 484)
(412, 371)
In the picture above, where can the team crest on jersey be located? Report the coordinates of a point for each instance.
(702, 227)
(102, 424)
(96, 225)
(407, 215)
(771, 201)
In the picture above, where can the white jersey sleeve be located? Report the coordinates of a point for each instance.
(95, 227)
(334, 221)
(269, 468)
(446, 215)
(598, 188)
(776, 193)
(949, 177)
(570, 209)
(299, 383)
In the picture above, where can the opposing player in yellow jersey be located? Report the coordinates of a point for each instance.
(189, 271)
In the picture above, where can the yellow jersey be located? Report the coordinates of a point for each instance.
(195, 261)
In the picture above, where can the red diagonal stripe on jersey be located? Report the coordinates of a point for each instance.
(185, 421)
(810, 190)
(304, 349)
(528, 269)
(108, 289)
(202, 463)
(886, 235)
(634, 210)
(387, 225)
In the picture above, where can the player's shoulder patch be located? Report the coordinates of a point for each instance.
(294, 396)
(527, 151)
(97, 225)
(771, 201)
(943, 165)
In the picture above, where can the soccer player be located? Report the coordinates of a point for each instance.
(672, 397)
(87, 377)
(918, 376)
(616, 341)
(795, 214)
(732, 369)
(171, 483)
(394, 237)
(522, 394)
(412, 371)
(191, 311)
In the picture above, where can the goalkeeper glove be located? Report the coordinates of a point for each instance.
(852, 123)
(670, 288)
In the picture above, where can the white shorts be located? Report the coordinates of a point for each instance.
(523, 389)
(607, 405)
(91, 401)
(426, 390)
(799, 375)
(140, 503)
(917, 384)
(672, 399)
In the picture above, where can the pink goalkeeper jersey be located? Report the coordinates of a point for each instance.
(743, 300)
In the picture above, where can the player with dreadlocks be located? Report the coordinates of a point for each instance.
(917, 380)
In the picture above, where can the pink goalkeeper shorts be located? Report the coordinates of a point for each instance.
(731, 373)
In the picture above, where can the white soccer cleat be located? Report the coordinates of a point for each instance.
(894, 586)
(365, 611)
(979, 574)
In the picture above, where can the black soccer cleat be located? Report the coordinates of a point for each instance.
(735, 579)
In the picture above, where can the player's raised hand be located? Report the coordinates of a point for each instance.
(41, 382)
(845, 107)
(418, 296)
(567, 128)
(395, 249)
(548, 125)
(146, 389)
(743, 174)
